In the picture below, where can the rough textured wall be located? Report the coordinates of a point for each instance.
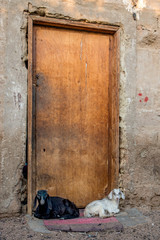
(146, 165)
(13, 89)
(139, 103)
(142, 168)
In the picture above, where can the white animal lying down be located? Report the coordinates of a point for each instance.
(106, 207)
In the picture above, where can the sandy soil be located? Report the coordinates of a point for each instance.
(16, 228)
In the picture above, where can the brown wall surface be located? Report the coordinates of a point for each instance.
(139, 92)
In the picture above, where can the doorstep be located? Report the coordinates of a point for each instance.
(83, 224)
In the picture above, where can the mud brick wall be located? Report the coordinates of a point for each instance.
(139, 170)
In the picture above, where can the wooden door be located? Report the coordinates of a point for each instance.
(71, 112)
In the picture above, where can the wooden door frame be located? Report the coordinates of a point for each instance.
(113, 133)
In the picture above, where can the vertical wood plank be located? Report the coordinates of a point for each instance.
(114, 110)
(30, 62)
(116, 106)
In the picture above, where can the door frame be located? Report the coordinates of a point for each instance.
(113, 145)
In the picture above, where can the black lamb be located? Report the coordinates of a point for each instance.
(54, 207)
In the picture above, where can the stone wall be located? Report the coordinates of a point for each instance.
(145, 167)
(139, 93)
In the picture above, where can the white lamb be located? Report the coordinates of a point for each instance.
(106, 207)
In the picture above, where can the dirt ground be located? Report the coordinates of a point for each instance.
(16, 228)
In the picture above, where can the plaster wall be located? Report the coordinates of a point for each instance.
(139, 93)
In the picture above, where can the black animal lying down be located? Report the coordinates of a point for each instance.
(54, 207)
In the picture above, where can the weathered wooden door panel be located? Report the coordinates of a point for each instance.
(73, 105)
(72, 72)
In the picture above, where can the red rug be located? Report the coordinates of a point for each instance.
(80, 221)
(83, 224)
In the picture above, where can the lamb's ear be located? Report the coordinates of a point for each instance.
(110, 195)
(35, 202)
(122, 195)
(49, 202)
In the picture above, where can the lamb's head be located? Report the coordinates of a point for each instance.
(116, 194)
(41, 196)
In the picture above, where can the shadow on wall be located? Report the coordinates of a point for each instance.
(24, 189)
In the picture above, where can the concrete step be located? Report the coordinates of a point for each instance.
(83, 224)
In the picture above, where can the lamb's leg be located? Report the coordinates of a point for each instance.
(116, 211)
(37, 215)
(67, 216)
(87, 214)
(112, 214)
(102, 214)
